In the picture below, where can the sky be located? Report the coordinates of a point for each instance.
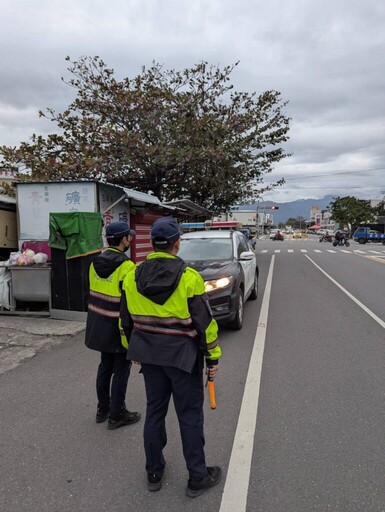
(326, 57)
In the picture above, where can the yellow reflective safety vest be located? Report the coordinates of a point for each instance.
(166, 313)
(106, 274)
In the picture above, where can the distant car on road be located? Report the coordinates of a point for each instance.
(229, 269)
(297, 233)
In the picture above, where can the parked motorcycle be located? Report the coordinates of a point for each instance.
(278, 236)
(326, 238)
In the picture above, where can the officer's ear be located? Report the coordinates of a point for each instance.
(177, 246)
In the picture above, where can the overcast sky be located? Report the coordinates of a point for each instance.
(326, 57)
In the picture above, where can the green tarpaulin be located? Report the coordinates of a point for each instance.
(77, 233)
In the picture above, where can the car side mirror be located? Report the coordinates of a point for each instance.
(247, 255)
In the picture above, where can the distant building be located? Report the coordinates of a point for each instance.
(251, 216)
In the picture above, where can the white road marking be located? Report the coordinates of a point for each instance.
(264, 250)
(277, 250)
(360, 252)
(348, 252)
(234, 495)
(362, 306)
(290, 250)
(317, 250)
(303, 250)
(329, 250)
(375, 252)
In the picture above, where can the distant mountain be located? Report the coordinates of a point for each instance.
(294, 209)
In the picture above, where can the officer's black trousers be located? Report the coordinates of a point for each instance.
(187, 389)
(111, 380)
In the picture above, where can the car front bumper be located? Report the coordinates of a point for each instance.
(223, 304)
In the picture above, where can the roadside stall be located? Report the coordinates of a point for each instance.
(58, 286)
(44, 276)
(8, 244)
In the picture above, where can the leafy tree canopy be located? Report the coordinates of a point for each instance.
(180, 134)
(296, 222)
(350, 211)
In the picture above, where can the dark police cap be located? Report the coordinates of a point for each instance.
(165, 231)
(118, 230)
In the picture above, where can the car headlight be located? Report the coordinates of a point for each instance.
(214, 284)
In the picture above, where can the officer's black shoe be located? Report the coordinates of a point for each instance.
(154, 481)
(102, 413)
(197, 487)
(117, 420)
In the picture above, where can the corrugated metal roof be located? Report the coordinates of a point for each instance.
(140, 196)
(190, 207)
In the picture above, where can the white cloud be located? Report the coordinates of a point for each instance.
(327, 59)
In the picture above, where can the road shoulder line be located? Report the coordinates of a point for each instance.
(238, 475)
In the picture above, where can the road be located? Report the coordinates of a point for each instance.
(299, 424)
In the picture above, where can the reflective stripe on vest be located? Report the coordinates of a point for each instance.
(164, 330)
(169, 320)
(103, 296)
(104, 312)
(164, 325)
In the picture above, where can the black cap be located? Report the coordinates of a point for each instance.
(165, 231)
(118, 230)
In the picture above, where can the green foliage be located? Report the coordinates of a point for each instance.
(296, 222)
(181, 134)
(350, 211)
(380, 209)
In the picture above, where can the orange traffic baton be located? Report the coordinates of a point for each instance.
(211, 387)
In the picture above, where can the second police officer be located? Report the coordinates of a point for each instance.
(103, 332)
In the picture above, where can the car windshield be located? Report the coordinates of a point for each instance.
(212, 249)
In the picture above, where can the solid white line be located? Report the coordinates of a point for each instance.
(362, 306)
(234, 496)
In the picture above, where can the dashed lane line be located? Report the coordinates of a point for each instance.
(290, 250)
(303, 250)
(330, 250)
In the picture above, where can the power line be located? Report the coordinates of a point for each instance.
(334, 173)
(332, 187)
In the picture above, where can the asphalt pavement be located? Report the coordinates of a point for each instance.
(53, 456)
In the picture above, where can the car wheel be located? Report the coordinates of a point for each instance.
(254, 291)
(361, 241)
(237, 323)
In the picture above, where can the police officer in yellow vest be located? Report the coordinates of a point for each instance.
(103, 331)
(167, 317)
